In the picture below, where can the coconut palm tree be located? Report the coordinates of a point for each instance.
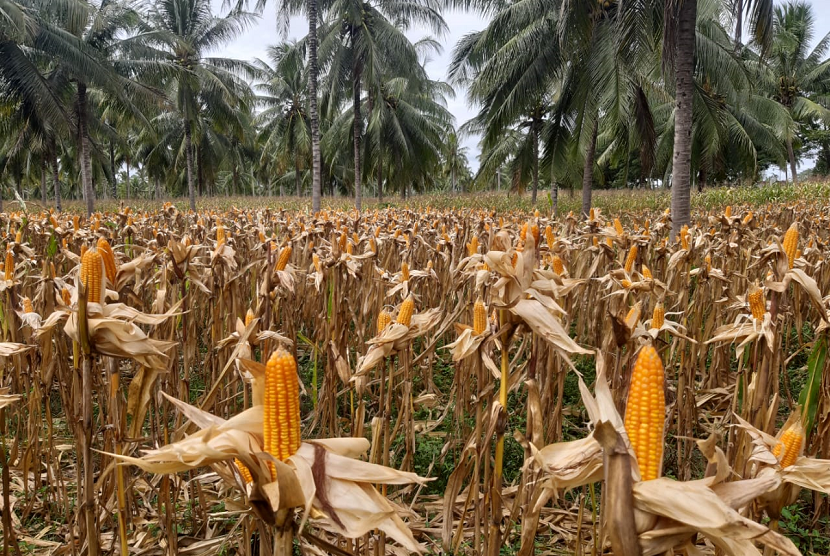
(183, 32)
(285, 127)
(363, 43)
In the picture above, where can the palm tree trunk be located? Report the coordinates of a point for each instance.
(158, 189)
(588, 173)
(127, 185)
(791, 157)
(53, 152)
(535, 138)
(43, 180)
(114, 184)
(188, 147)
(297, 181)
(83, 143)
(235, 183)
(380, 170)
(316, 163)
(454, 186)
(684, 86)
(358, 197)
(498, 179)
(739, 24)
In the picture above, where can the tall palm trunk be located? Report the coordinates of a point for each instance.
(114, 184)
(684, 88)
(535, 137)
(358, 195)
(380, 169)
(53, 153)
(297, 181)
(158, 189)
(316, 161)
(454, 186)
(188, 147)
(127, 185)
(83, 143)
(43, 171)
(588, 173)
(791, 157)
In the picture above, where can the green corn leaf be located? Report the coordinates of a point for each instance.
(808, 399)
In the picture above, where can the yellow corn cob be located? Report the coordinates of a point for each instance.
(595, 241)
(633, 316)
(350, 248)
(384, 320)
(66, 297)
(684, 237)
(341, 242)
(632, 256)
(558, 265)
(645, 413)
(523, 232)
(485, 266)
(377, 231)
(618, 227)
(281, 417)
(27, 305)
(591, 214)
(54, 221)
(479, 317)
(534, 231)
(626, 283)
(472, 247)
(748, 217)
(514, 259)
(285, 254)
(791, 243)
(789, 445)
(757, 302)
(18, 237)
(728, 211)
(608, 242)
(355, 239)
(404, 272)
(249, 316)
(405, 313)
(262, 239)
(244, 471)
(397, 233)
(8, 267)
(316, 258)
(646, 272)
(75, 223)
(92, 273)
(220, 235)
(658, 316)
(549, 236)
(109, 259)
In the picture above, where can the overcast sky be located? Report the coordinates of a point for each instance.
(264, 33)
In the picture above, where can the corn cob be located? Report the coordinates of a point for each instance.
(591, 214)
(728, 211)
(646, 272)
(534, 230)
(75, 223)
(479, 317)
(609, 242)
(404, 272)
(342, 242)
(514, 259)
(708, 261)
(316, 258)
(629, 260)
(549, 236)
(249, 316)
(281, 418)
(658, 316)
(558, 265)
(244, 471)
(645, 414)
(220, 235)
(18, 237)
(66, 297)
(618, 227)
(633, 316)
(285, 254)
(27, 305)
(684, 237)
(92, 273)
(8, 267)
(109, 259)
(757, 302)
(405, 313)
(350, 248)
(472, 247)
(384, 320)
(791, 243)
(789, 445)
(595, 241)
(626, 283)
(747, 218)
(523, 232)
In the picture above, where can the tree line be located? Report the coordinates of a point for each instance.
(125, 98)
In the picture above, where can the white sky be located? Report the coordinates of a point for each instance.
(254, 42)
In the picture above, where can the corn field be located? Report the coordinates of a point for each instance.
(268, 382)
